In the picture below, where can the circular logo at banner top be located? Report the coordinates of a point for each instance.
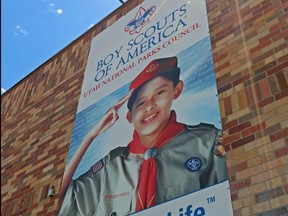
(194, 164)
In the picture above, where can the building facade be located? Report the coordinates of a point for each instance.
(249, 46)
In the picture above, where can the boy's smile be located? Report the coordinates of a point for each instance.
(150, 118)
(151, 110)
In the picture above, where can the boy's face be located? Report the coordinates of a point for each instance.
(151, 110)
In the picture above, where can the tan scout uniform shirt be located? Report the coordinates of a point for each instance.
(184, 164)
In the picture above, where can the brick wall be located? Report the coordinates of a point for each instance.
(250, 49)
(37, 117)
(249, 40)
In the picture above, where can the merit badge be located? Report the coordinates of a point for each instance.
(194, 164)
(219, 150)
(220, 138)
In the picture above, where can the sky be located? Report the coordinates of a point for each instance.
(34, 31)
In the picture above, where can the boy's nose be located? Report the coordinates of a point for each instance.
(150, 105)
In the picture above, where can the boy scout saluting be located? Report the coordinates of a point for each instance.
(164, 160)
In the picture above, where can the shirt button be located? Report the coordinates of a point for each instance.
(113, 214)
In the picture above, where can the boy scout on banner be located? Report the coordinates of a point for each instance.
(165, 159)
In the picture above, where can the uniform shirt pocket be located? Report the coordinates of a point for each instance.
(115, 204)
(184, 187)
(172, 192)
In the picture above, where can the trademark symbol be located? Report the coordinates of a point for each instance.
(211, 199)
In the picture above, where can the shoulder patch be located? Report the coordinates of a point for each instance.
(97, 166)
(119, 151)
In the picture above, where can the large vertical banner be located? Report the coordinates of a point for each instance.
(147, 138)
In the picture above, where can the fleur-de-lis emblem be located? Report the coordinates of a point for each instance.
(152, 68)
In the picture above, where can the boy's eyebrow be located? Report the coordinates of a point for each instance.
(164, 85)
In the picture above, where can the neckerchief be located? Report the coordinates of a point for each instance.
(147, 180)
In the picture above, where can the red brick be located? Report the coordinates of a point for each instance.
(269, 36)
(265, 102)
(279, 36)
(249, 95)
(220, 57)
(6, 210)
(240, 127)
(33, 206)
(282, 81)
(280, 47)
(258, 91)
(231, 138)
(281, 95)
(242, 141)
(278, 68)
(261, 9)
(260, 46)
(240, 184)
(238, 167)
(234, 197)
(241, 80)
(229, 124)
(253, 18)
(21, 212)
(223, 66)
(264, 85)
(279, 135)
(47, 205)
(281, 152)
(253, 129)
(237, 212)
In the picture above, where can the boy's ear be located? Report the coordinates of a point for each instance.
(129, 116)
(178, 89)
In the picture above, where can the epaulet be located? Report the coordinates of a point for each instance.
(119, 151)
(202, 126)
(218, 148)
(208, 126)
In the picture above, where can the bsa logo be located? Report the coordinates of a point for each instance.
(194, 164)
(141, 19)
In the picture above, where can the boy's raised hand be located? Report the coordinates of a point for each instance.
(110, 117)
(120, 103)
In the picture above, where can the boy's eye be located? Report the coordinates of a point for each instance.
(160, 92)
(140, 103)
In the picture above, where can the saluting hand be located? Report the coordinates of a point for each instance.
(109, 118)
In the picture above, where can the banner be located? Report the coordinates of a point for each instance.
(147, 134)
